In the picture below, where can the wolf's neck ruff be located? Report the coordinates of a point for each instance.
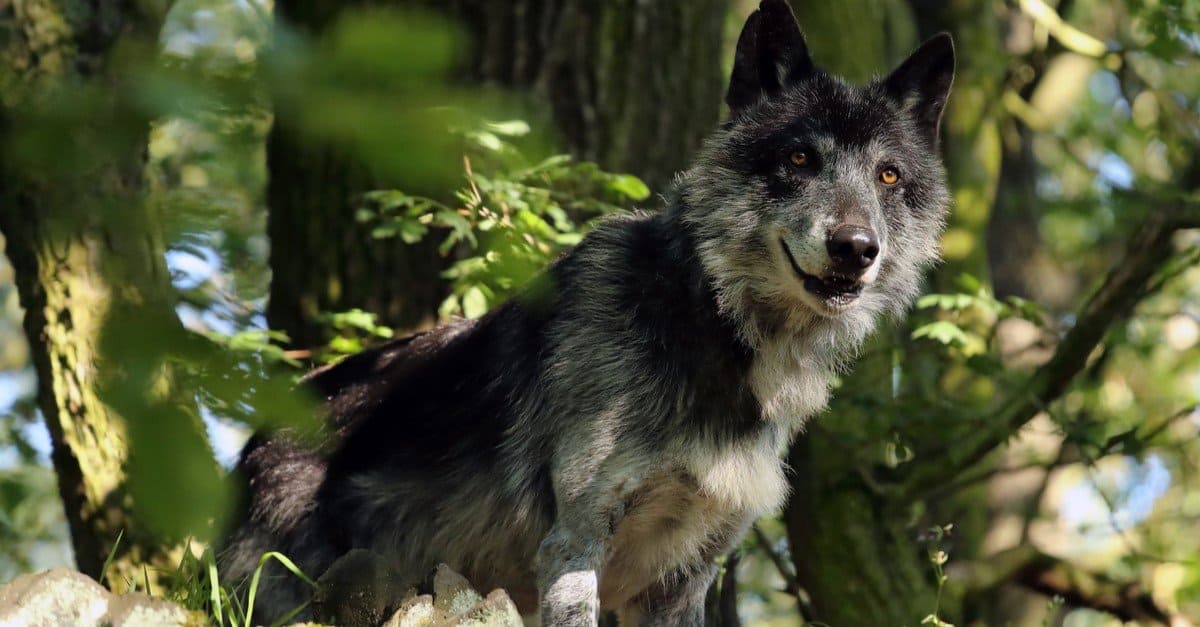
(796, 351)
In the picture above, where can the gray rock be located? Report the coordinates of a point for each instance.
(454, 603)
(65, 597)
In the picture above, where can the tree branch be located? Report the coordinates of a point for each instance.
(1003, 567)
(728, 597)
(1125, 600)
(1126, 284)
(1029, 567)
(1185, 214)
(807, 612)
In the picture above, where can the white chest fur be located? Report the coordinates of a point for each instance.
(790, 382)
(746, 477)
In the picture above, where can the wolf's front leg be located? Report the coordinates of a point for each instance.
(569, 561)
(677, 600)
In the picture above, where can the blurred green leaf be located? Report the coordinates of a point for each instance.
(941, 331)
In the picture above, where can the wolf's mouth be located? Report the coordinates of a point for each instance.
(837, 289)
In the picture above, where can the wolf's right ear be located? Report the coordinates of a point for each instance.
(771, 54)
(922, 83)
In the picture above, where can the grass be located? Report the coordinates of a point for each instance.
(291, 567)
(196, 585)
(111, 554)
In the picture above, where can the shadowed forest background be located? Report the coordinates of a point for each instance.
(201, 199)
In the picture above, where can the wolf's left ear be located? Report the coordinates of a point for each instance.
(771, 54)
(922, 83)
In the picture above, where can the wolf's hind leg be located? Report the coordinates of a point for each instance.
(678, 600)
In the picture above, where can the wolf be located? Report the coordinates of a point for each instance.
(597, 442)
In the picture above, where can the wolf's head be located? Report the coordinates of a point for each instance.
(818, 203)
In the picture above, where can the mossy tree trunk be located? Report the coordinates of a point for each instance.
(85, 249)
(970, 130)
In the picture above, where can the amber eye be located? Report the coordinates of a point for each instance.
(889, 176)
(799, 158)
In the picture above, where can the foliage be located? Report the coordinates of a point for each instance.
(514, 217)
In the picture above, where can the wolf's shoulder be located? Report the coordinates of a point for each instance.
(648, 244)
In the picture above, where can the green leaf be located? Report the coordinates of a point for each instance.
(387, 230)
(474, 302)
(412, 231)
(941, 331)
(449, 307)
(345, 345)
(1028, 310)
(968, 283)
(455, 222)
(489, 140)
(568, 239)
(511, 128)
(629, 186)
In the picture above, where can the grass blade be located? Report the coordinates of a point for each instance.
(262, 562)
(111, 554)
(215, 593)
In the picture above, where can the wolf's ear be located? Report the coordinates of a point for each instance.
(771, 54)
(922, 83)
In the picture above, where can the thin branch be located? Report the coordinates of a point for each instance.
(985, 474)
(1070, 37)
(1126, 285)
(1034, 505)
(997, 569)
(1125, 600)
(1028, 566)
(790, 582)
(789, 578)
(727, 601)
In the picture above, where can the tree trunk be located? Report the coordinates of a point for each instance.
(322, 259)
(853, 551)
(591, 62)
(84, 252)
(632, 85)
(970, 130)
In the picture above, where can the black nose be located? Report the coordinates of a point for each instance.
(852, 248)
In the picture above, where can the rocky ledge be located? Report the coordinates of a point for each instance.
(65, 597)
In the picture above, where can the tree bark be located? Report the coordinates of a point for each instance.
(970, 131)
(84, 250)
(322, 259)
(852, 549)
(632, 85)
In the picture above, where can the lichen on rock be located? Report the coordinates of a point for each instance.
(65, 597)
